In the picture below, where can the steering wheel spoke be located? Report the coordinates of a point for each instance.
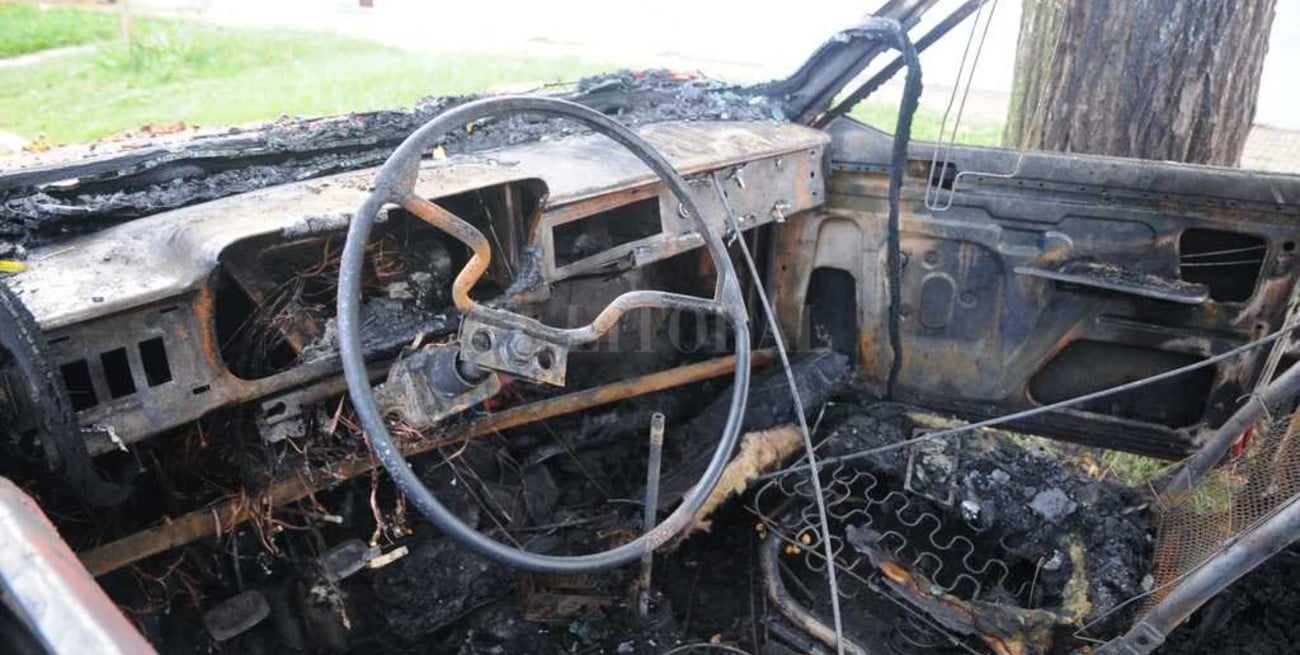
(459, 228)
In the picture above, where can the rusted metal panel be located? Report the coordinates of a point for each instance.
(979, 322)
(52, 592)
(761, 191)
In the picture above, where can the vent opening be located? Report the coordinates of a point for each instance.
(117, 373)
(76, 378)
(832, 306)
(153, 355)
(585, 237)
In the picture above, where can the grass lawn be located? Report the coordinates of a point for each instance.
(926, 124)
(180, 71)
(213, 76)
(29, 28)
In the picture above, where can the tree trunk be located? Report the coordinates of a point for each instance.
(1154, 79)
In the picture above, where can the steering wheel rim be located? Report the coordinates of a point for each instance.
(395, 182)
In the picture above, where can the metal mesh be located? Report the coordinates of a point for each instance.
(1258, 479)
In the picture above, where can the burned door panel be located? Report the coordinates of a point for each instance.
(1072, 274)
(953, 289)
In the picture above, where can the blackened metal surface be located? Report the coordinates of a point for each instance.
(33, 380)
(158, 277)
(891, 69)
(810, 90)
(975, 349)
(167, 254)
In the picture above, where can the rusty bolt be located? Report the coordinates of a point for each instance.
(522, 347)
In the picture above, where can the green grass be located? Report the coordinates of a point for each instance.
(213, 76)
(30, 28)
(210, 76)
(1132, 470)
(927, 123)
(1212, 496)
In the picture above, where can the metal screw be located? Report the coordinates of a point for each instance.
(522, 347)
(778, 210)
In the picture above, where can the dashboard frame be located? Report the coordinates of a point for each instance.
(155, 278)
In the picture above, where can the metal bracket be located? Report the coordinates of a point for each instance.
(428, 386)
(281, 417)
(1141, 639)
(514, 344)
(932, 469)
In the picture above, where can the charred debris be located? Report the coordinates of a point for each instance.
(985, 542)
(135, 177)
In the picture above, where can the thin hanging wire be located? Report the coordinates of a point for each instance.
(1281, 333)
(733, 224)
(963, 72)
(934, 200)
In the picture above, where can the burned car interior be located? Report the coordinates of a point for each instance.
(652, 365)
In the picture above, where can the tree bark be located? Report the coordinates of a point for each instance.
(1154, 79)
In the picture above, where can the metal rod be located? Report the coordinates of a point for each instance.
(651, 504)
(814, 474)
(1188, 475)
(1211, 577)
(890, 70)
(222, 517)
(769, 555)
(465, 233)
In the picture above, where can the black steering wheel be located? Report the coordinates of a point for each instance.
(395, 184)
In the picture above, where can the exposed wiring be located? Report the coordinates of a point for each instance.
(1044, 409)
(814, 474)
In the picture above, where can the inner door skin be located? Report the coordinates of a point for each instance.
(1074, 274)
